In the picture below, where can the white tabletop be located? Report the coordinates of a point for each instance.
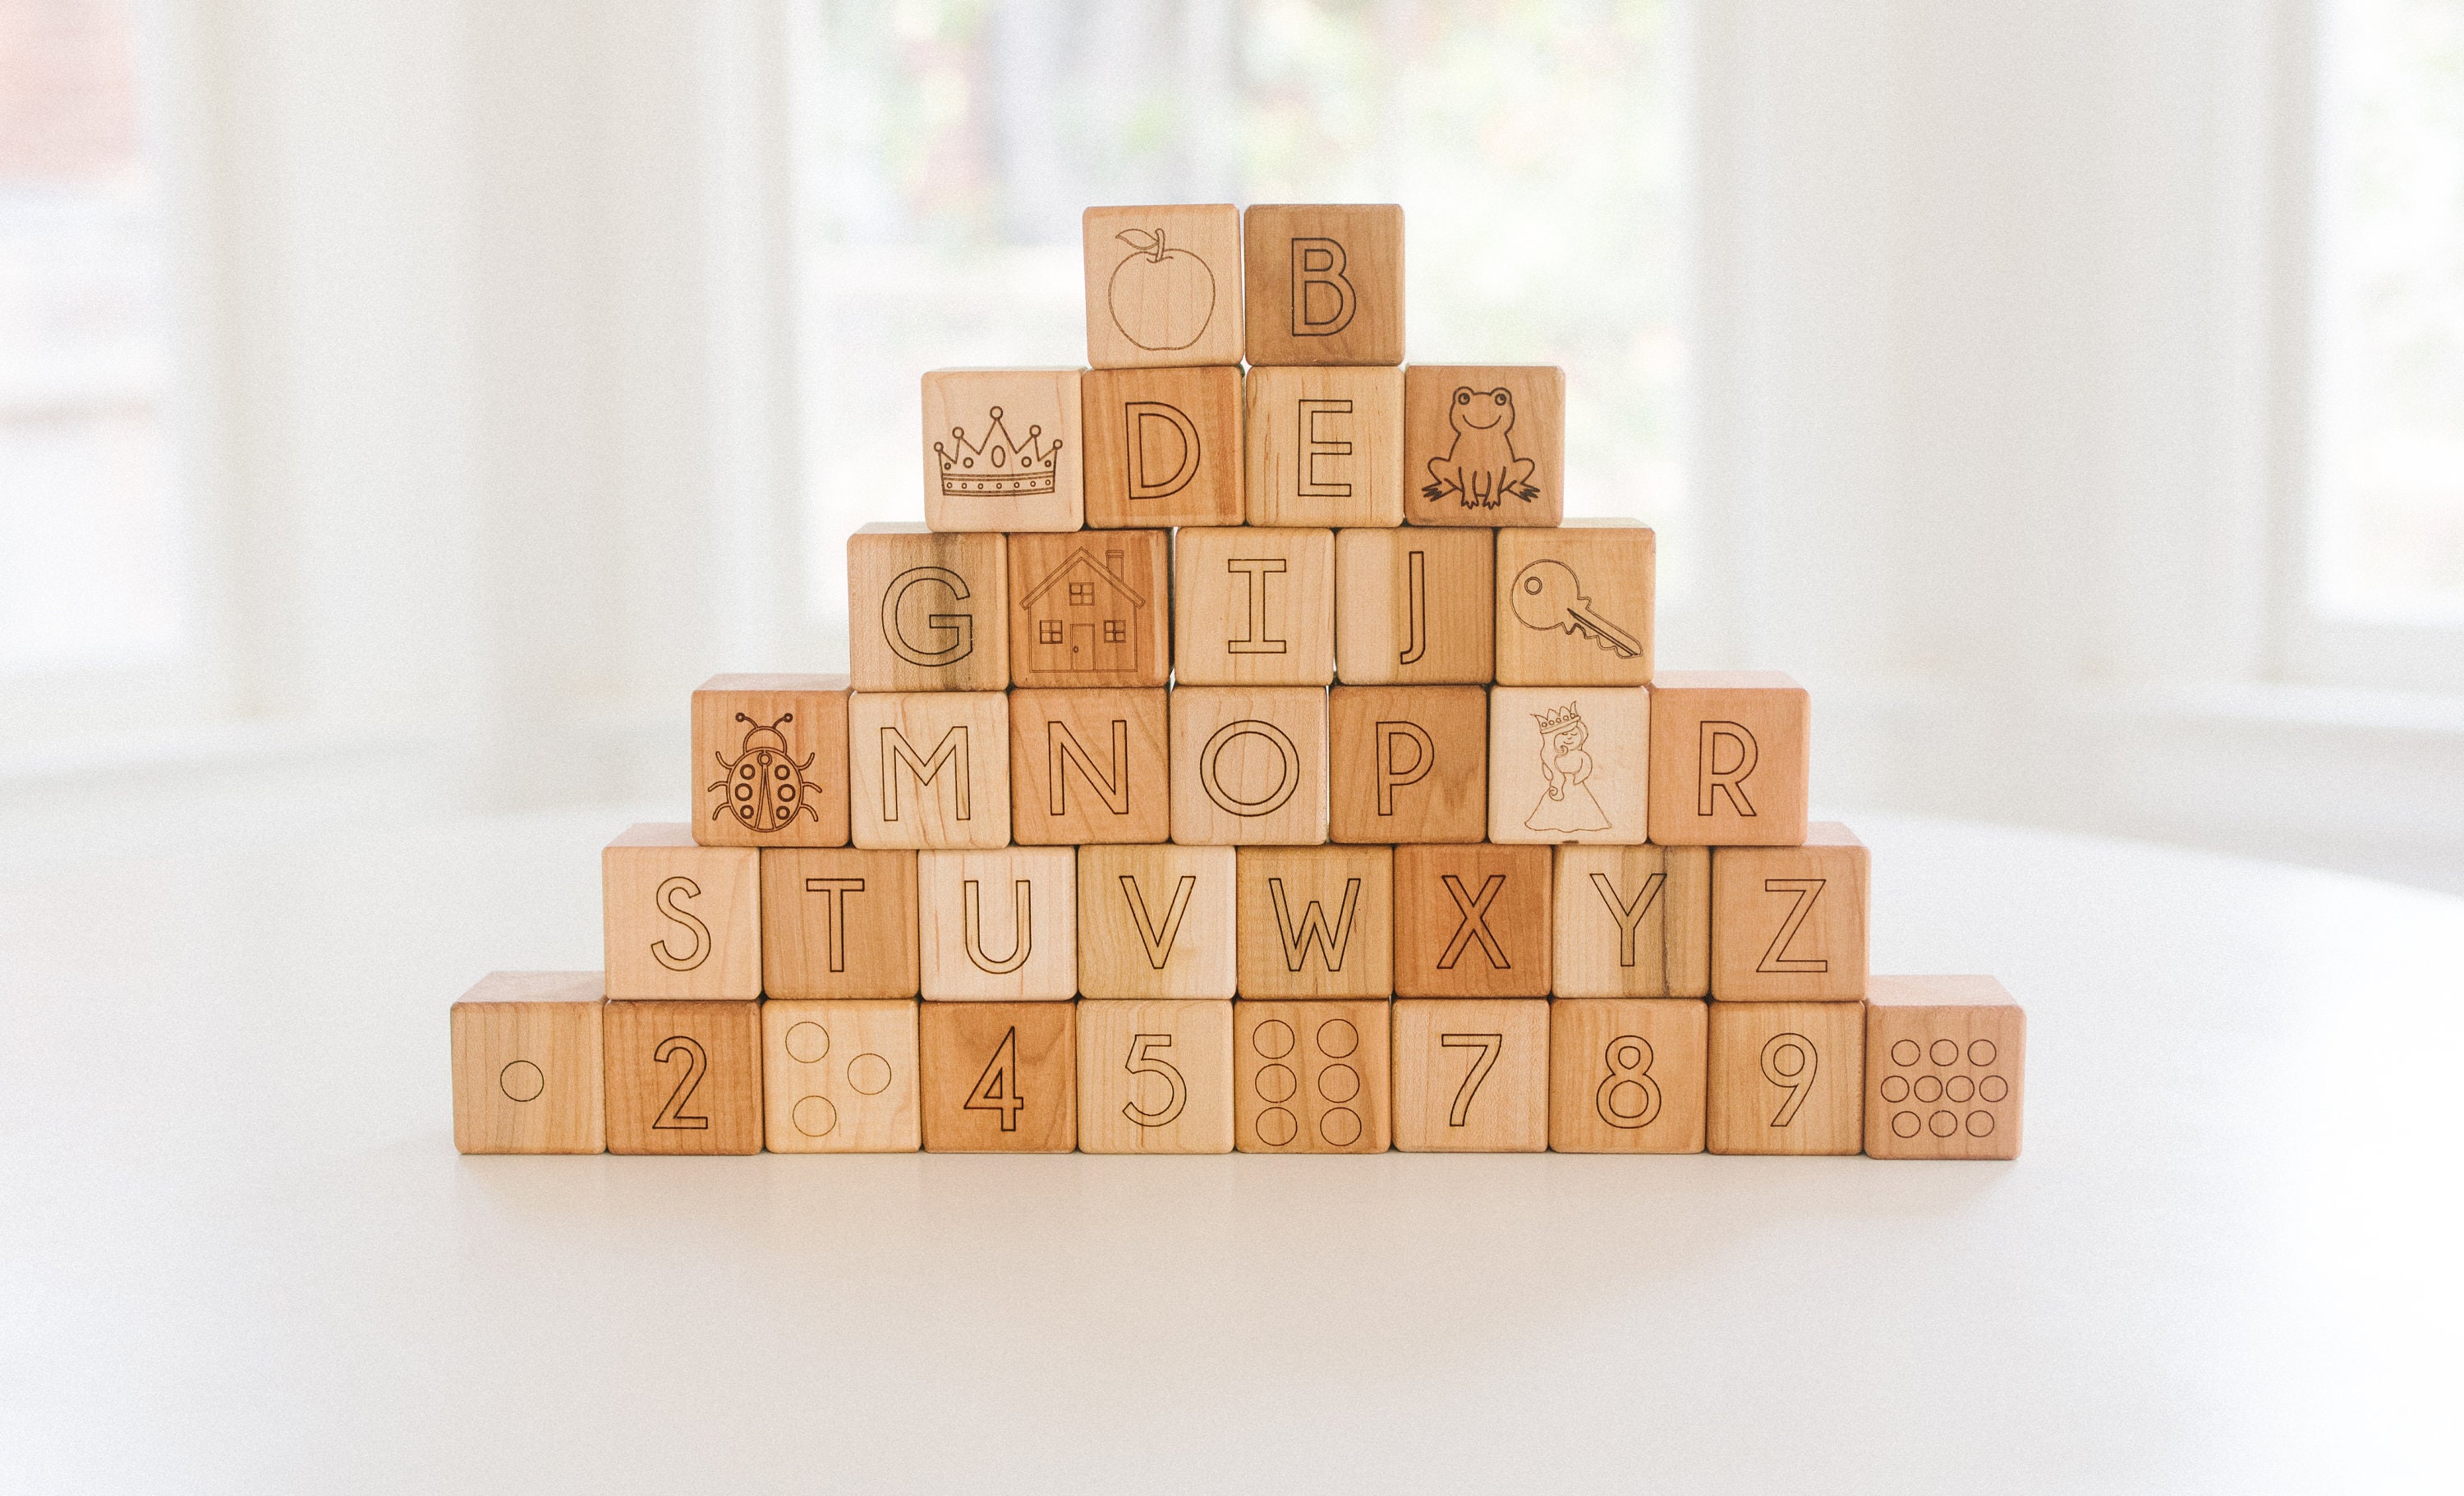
(241, 1254)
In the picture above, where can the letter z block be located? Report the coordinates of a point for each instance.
(999, 925)
(1312, 1077)
(1787, 1078)
(683, 1077)
(1253, 607)
(1471, 921)
(1163, 448)
(1626, 1075)
(1325, 445)
(838, 923)
(526, 1064)
(1729, 754)
(1411, 763)
(1472, 1077)
(1163, 285)
(1154, 1077)
(1249, 766)
(840, 1077)
(1633, 922)
(926, 611)
(1090, 609)
(1408, 606)
(770, 761)
(1574, 605)
(1002, 450)
(1156, 922)
(1484, 445)
(1325, 282)
(1946, 1065)
(929, 768)
(1317, 921)
(1789, 922)
(681, 920)
(1089, 766)
(1000, 1077)
(1570, 763)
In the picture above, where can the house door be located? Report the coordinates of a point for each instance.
(1082, 646)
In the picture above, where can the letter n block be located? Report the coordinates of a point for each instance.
(681, 920)
(1471, 921)
(1574, 605)
(1472, 1077)
(926, 611)
(1325, 445)
(840, 1077)
(999, 925)
(526, 1064)
(1089, 766)
(929, 768)
(1789, 922)
(1312, 1077)
(683, 1077)
(1002, 450)
(1626, 1075)
(1249, 766)
(1570, 763)
(1787, 1078)
(1163, 285)
(1000, 1077)
(1411, 763)
(1090, 609)
(1156, 922)
(1325, 282)
(1163, 448)
(1253, 607)
(1408, 606)
(1729, 752)
(1154, 1077)
(838, 923)
(1485, 445)
(1946, 1064)
(769, 760)
(1317, 921)
(1633, 922)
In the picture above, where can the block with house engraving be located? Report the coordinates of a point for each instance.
(1163, 448)
(929, 768)
(1729, 752)
(1156, 922)
(1000, 1077)
(1090, 608)
(1253, 607)
(838, 923)
(926, 611)
(1089, 766)
(1633, 922)
(1408, 606)
(1317, 921)
(1789, 922)
(1484, 445)
(1002, 450)
(1570, 763)
(1411, 763)
(1163, 285)
(680, 919)
(1325, 282)
(1325, 445)
(1574, 605)
(1312, 1077)
(1249, 766)
(1473, 921)
(999, 925)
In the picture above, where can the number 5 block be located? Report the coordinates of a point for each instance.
(683, 1077)
(1472, 1076)
(1154, 1077)
(1787, 1078)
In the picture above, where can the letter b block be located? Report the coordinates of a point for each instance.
(1471, 921)
(1729, 759)
(1254, 608)
(929, 768)
(1325, 282)
(999, 925)
(681, 920)
(1248, 767)
(926, 611)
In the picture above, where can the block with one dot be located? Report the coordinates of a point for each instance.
(840, 1077)
(526, 1066)
(1946, 1064)
(1312, 1077)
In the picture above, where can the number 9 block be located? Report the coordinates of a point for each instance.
(1787, 1078)
(1946, 1062)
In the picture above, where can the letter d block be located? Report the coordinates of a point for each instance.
(1325, 282)
(1154, 1077)
(1089, 766)
(526, 1064)
(999, 925)
(929, 768)
(1163, 448)
(769, 760)
(1789, 922)
(1411, 763)
(1471, 921)
(1729, 754)
(683, 1077)
(926, 611)
(1248, 767)
(1253, 607)
(1317, 921)
(681, 920)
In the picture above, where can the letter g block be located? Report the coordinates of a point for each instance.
(926, 611)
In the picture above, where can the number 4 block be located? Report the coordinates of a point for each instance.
(1000, 1077)
(1472, 1076)
(1154, 1077)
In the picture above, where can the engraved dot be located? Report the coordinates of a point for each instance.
(868, 1074)
(1340, 1127)
(1904, 1124)
(1981, 1053)
(1895, 1088)
(1943, 1124)
(1337, 1038)
(1959, 1087)
(1992, 1088)
(1277, 1127)
(1945, 1052)
(521, 1081)
(1928, 1089)
(814, 1116)
(1277, 1083)
(807, 1042)
(1906, 1053)
(1338, 1083)
(1980, 1124)
(1272, 1039)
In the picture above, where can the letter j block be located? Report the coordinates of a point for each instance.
(1729, 752)
(681, 920)
(926, 611)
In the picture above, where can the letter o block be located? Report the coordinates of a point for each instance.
(1249, 766)
(1729, 759)
(1325, 282)
(926, 611)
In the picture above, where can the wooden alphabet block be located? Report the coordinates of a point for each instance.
(926, 611)
(769, 756)
(1325, 282)
(1312, 1077)
(1729, 758)
(1485, 445)
(1472, 1077)
(1254, 608)
(1633, 922)
(929, 768)
(1163, 285)
(683, 1077)
(1626, 1075)
(527, 1066)
(1788, 923)
(1570, 763)
(1002, 450)
(1000, 1077)
(838, 923)
(1946, 1068)
(681, 920)
(1471, 921)
(840, 1077)
(1249, 766)
(1090, 609)
(1089, 766)
(1574, 605)
(1325, 445)
(1317, 921)
(1163, 448)
(1156, 922)
(1154, 1077)
(999, 925)
(1787, 1077)
(1411, 763)
(1407, 606)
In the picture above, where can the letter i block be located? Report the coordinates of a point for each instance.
(1253, 607)
(1484, 445)
(1325, 445)
(681, 920)
(838, 923)
(1156, 922)
(1317, 921)
(929, 768)
(1570, 763)
(1089, 766)
(1090, 609)
(1312, 1077)
(1325, 282)
(1729, 752)
(1787, 1078)
(1626, 1075)
(1154, 1077)
(1409, 606)
(683, 1077)
(1002, 450)
(1574, 605)
(1633, 922)
(926, 611)
(1472, 1077)
(999, 925)
(1000, 1077)
(1248, 767)
(1411, 763)
(1789, 922)
(840, 1077)
(1163, 285)
(1163, 448)
(526, 1064)
(769, 760)
(1471, 921)
(1946, 1064)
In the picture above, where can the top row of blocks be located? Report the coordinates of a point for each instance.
(1320, 283)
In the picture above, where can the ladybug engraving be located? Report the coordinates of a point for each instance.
(764, 786)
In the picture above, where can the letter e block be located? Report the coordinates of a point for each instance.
(1787, 1078)
(683, 1077)
(840, 1077)
(838, 923)
(1156, 922)
(1317, 921)
(769, 756)
(1248, 767)
(1154, 1077)
(1090, 609)
(1626, 1075)
(1633, 922)
(1312, 1077)
(1089, 766)
(1946, 1065)
(999, 925)
(1254, 608)
(929, 768)
(1570, 763)
(1574, 605)
(526, 1064)
(926, 611)
(1163, 448)
(1325, 445)
(1472, 1077)
(1409, 606)
(1163, 285)
(1729, 759)
(1000, 1077)
(1485, 445)
(1411, 763)
(681, 920)
(1002, 450)
(1325, 282)
(1471, 921)
(1789, 922)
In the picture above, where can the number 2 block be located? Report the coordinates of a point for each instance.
(683, 1077)
(1787, 1078)
(1154, 1077)
(1626, 1075)
(1000, 1077)
(1472, 1076)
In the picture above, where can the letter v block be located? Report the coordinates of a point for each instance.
(1471, 921)
(1317, 921)
(926, 611)
(929, 768)
(1089, 766)
(1325, 282)
(1155, 922)
(999, 925)
(681, 920)
(1729, 759)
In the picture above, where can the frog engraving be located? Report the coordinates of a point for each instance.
(1481, 468)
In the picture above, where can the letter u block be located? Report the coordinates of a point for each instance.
(1089, 766)
(999, 925)
(1317, 921)
(1729, 759)
(926, 611)
(1248, 767)
(929, 768)
(681, 920)
(1253, 607)
(1325, 282)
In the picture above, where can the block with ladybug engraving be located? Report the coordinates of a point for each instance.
(770, 761)
(1154, 1077)
(838, 923)
(1626, 1075)
(1574, 605)
(683, 1077)
(1312, 1077)
(1485, 445)
(1471, 921)
(1163, 448)
(1090, 609)
(1002, 450)
(1324, 282)
(1000, 1077)
(1249, 766)
(1472, 1076)
(1156, 922)
(1163, 285)
(1785, 1078)
(526, 1064)
(840, 1077)
(1570, 763)
(1089, 766)
(926, 611)
(929, 768)
(1411, 763)
(681, 920)
(1253, 607)
(1946, 1068)
(1789, 922)
(1633, 922)
(1317, 921)
(1325, 445)
(1408, 606)
(1729, 758)
(999, 924)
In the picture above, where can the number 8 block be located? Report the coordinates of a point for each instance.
(1154, 1077)
(1625, 1075)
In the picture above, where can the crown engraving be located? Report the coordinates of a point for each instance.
(1000, 466)
(1556, 717)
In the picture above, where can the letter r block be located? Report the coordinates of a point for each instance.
(1789, 922)
(929, 768)
(681, 920)
(1471, 921)
(1729, 759)
(1089, 766)
(926, 611)
(1317, 921)
(1253, 607)
(999, 925)
(1163, 448)
(1325, 282)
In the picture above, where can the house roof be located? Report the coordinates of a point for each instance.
(1081, 558)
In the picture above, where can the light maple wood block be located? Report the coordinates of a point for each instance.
(840, 1077)
(1633, 922)
(1090, 608)
(838, 923)
(1946, 1068)
(680, 919)
(1312, 1077)
(1163, 285)
(1325, 445)
(1411, 763)
(1729, 758)
(1485, 444)
(1472, 1076)
(526, 1064)
(1574, 605)
(1325, 282)
(929, 768)
(999, 925)
(1163, 448)
(1789, 922)
(683, 1077)
(1409, 606)
(1003, 451)
(1317, 921)
(769, 756)
(926, 611)
(1249, 766)
(1154, 1077)
(1089, 766)
(1156, 922)
(1787, 1078)
(1570, 763)
(1627, 1074)
(1471, 921)
(1000, 1077)
(1253, 607)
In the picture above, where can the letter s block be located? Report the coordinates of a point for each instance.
(1729, 759)
(926, 611)
(681, 920)
(1325, 282)
(1163, 448)
(1000, 926)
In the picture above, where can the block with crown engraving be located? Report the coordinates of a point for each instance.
(1089, 766)
(769, 761)
(1473, 921)
(1163, 285)
(1568, 763)
(1411, 763)
(999, 925)
(1248, 765)
(1253, 607)
(1574, 605)
(1163, 447)
(1789, 922)
(1729, 759)
(1325, 445)
(1410, 606)
(1485, 445)
(1002, 450)
(1324, 282)
(1156, 922)
(926, 611)
(929, 768)
(1090, 608)
(1317, 921)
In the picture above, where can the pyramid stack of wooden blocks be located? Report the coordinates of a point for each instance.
(1243, 761)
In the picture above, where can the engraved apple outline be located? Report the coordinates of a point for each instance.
(1159, 282)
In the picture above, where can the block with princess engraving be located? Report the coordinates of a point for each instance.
(1411, 763)
(1317, 921)
(1002, 450)
(1325, 445)
(1946, 1068)
(1325, 282)
(769, 760)
(1411, 607)
(1163, 285)
(1789, 922)
(1156, 922)
(1626, 1075)
(1471, 921)
(1154, 1076)
(1472, 1076)
(1163, 447)
(1248, 765)
(927, 611)
(680, 919)
(1633, 922)
(1253, 607)
(1000, 1077)
(1730, 755)
(838, 923)
(1089, 766)
(1485, 445)
(1570, 763)
(999, 925)
(840, 1077)
(1090, 609)
(1312, 1077)
(683, 1077)
(929, 768)
(526, 1064)
(1787, 1078)
(1574, 605)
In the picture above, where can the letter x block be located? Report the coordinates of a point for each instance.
(1946, 1065)
(999, 925)
(526, 1064)
(1002, 450)
(1156, 922)
(1626, 1075)
(1154, 1077)
(1317, 921)
(1408, 606)
(1163, 448)
(1471, 921)
(1411, 763)
(1090, 609)
(1633, 922)
(1484, 445)
(1789, 922)
(1472, 1077)
(1787, 1078)
(1253, 607)
(840, 1077)
(1163, 285)
(1312, 1077)
(838, 923)
(1089, 766)
(1000, 1077)
(1325, 445)
(929, 768)
(681, 920)
(1729, 759)
(1249, 766)
(926, 611)
(683, 1077)
(1325, 282)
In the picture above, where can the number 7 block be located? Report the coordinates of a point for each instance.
(1471, 1075)
(1154, 1077)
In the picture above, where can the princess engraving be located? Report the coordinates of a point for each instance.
(1568, 806)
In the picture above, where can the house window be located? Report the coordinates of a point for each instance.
(1116, 631)
(1082, 594)
(1047, 631)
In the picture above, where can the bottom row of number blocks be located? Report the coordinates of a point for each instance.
(1925, 1068)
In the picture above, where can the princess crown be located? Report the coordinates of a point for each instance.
(998, 467)
(1556, 717)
